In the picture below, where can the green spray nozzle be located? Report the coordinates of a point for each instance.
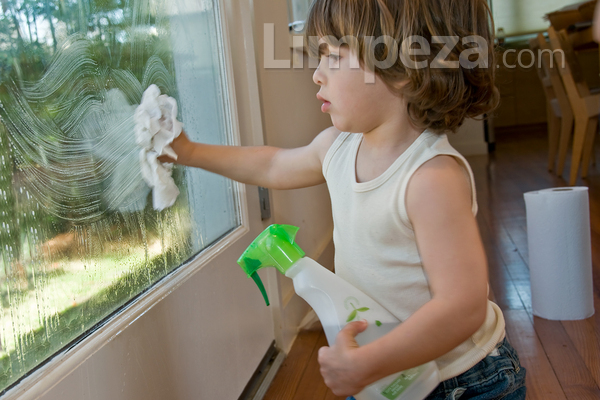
(274, 247)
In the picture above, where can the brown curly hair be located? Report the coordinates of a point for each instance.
(438, 98)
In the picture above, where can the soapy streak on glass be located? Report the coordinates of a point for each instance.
(78, 236)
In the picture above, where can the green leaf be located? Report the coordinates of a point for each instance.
(378, 323)
(351, 316)
(363, 309)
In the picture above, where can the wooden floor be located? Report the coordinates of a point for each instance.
(562, 358)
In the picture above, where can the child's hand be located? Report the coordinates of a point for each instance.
(339, 367)
(180, 145)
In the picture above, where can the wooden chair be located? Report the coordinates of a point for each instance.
(585, 106)
(560, 116)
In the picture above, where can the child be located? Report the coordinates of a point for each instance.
(403, 199)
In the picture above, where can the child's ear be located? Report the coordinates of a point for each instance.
(399, 85)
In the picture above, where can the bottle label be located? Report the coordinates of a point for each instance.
(400, 384)
(355, 312)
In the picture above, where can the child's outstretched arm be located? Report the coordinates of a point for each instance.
(265, 166)
(439, 207)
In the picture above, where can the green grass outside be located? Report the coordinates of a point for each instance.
(107, 287)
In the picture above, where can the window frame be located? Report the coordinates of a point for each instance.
(50, 372)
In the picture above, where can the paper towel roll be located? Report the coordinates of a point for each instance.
(560, 253)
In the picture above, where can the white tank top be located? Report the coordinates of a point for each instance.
(375, 247)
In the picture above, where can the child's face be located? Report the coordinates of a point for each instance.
(354, 104)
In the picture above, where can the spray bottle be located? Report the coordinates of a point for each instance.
(336, 303)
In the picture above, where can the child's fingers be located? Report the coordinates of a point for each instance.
(166, 159)
(181, 146)
(356, 327)
(349, 332)
(339, 368)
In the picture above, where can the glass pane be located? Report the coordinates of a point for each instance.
(78, 235)
(517, 17)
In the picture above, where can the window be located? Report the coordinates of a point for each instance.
(512, 17)
(518, 17)
(298, 12)
(78, 236)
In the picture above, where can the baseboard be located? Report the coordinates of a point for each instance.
(264, 375)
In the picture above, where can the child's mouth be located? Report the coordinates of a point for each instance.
(326, 104)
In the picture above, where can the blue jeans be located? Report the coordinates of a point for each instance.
(497, 376)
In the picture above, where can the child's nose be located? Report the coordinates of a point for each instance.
(318, 76)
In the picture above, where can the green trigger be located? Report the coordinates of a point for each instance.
(274, 247)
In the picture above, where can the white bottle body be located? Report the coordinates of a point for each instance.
(336, 302)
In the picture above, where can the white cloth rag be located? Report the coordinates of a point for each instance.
(156, 127)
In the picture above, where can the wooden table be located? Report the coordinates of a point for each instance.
(572, 15)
